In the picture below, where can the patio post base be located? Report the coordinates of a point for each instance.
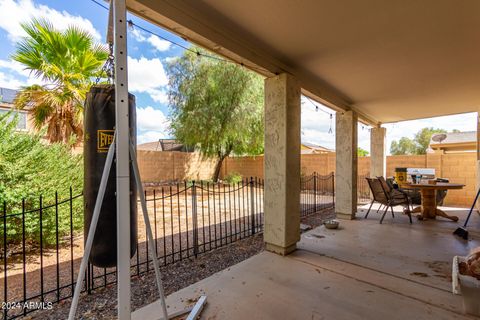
(345, 216)
(283, 251)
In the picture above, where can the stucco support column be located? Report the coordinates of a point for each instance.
(378, 158)
(346, 165)
(282, 164)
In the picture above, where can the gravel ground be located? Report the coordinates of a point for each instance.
(317, 219)
(102, 303)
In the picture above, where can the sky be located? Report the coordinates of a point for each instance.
(147, 57)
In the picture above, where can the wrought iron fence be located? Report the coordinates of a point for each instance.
(31, 240)
(363, 190)
(42, 247)
(317, 193)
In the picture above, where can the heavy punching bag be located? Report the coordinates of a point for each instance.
(99, 122)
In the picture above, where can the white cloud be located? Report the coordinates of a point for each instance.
(150, 136)
(154, 41)
(363, 134)
(13, 13)
(145, 74)
(159, 44)
(315, 125)
(149, 118)
(15, 67)
(171, 59)
(7, 81)
(13, 75)
(152, 124)
(138, 35)
(148, 76)
(159, 96)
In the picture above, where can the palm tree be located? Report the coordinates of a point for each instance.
(67, 63)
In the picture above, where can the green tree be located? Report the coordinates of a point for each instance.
(418, 145)
(66, 62)
(362, 152)
(404, 146)
(216, 107)
(30, 168)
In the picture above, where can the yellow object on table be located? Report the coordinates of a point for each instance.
(401, 175)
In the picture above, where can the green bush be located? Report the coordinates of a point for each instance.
(29, 167)
(233, 178)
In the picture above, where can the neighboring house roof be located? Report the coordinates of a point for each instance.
(309, 148)
(164, 145)
(456, 141)
(7, 95)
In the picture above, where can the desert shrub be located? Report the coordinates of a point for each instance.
(233, 178)
(29, 167)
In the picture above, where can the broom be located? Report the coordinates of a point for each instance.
(462, 232)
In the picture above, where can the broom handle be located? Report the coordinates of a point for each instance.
(471, 209)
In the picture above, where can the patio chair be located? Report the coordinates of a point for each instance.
(413, 194)
(397, 193)
(388, 198)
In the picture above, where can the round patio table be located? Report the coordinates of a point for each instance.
(429, 209)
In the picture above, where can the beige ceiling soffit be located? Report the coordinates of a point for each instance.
(175, 16)
(366, 119)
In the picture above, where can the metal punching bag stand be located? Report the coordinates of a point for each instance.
(124, 150)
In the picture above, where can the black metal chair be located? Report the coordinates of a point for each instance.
(414, 195)
(388, 198)
(396, 192)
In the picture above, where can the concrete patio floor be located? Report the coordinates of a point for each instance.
(362, 271)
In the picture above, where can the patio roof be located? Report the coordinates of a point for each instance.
(389, 61)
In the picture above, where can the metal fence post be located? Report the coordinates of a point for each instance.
(252, 205)
(87, 280)
(333, 189)
(5, 279)
(195, 220)
(24, 256)
(41, 248)
(57, 246)
(315, 191)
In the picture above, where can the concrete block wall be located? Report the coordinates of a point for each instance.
(319, 163)
(405, 161)
(458, 168)
(245, 166)
(363, 166)
(158, 166)
(323, 164)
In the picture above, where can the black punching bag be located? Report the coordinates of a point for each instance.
(99, 122)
